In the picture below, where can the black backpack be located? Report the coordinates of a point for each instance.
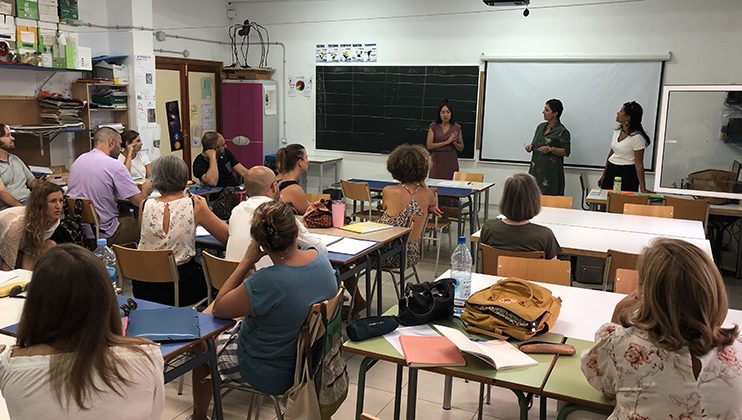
(70, 227)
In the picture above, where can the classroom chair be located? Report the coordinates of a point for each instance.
(545, 271)
(417, 226)
(490, 256)
(614, 261)
(359, 191)
(648, 210)
(616, 201)
(452, 213)
(558, 201)
(87, 215)
(585, 191)
(217, 271)
(316, 315)
(313, 198)
(434, 227)
(689, 209)
(366, 416)
(626, 281)
(148, 265)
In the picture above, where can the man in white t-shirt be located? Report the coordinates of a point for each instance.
(261, 186)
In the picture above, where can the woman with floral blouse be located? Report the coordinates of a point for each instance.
(669, 357)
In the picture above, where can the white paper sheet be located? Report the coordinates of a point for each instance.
(349, 246)
(201, 231)
(417, 330)
(327, 239)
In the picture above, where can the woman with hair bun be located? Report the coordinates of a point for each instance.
(671, 355)
(273, 303)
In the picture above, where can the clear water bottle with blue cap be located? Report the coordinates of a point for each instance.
(105, 253)
(461, 269)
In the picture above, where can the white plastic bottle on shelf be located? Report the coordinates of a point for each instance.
(105, 253)
(461, 269)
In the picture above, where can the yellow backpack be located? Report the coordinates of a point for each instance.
(511, 308)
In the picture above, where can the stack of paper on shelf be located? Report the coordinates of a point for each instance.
(58, 110)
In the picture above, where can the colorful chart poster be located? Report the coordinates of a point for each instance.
(300, 86)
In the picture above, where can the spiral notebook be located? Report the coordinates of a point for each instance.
(164, 325)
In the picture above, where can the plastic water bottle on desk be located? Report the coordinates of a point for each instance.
(106, 255)
(617, 184)
(461, 270)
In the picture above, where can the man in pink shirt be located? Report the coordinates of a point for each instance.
(99, 176)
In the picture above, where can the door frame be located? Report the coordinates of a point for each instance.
(183, 66)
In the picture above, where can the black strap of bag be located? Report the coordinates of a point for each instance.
(70, 227)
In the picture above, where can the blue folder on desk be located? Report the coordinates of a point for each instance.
(164, 325)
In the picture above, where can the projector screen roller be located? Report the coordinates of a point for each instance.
(591, 91)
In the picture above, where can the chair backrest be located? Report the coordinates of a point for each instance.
(626, 281)
(648, 210)
(366, 416)
(88, 214)
(545, 271)
(147, 265)
(217, 270)
(560, 201)
(585, 191)
(313, 198)
(417, 226)
(617, 200)
(614, 261)
(356, 190)
(697, 209)
(319, 316)
(490, 256)
(468, 176)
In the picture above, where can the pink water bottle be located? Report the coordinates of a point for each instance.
(338, 213)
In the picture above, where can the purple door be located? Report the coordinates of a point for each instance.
(242, 115)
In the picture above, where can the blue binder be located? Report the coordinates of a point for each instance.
(164, 325)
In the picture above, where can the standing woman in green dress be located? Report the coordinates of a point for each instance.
(549, 147)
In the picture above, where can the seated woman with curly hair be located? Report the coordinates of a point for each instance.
(25, 231)
(671, 355)
(408, 164)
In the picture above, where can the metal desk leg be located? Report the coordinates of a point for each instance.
(366, 364)
(402, 265)
(542, 407)
(472, 216)
(378, 283)
(215, 380)
(369, 298)
(398, 393)
(459, 227)
(486, 203)
(411, 394)
(523, 403)
(447, 389)
(480, 405)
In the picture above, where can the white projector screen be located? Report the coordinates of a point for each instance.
(591, 91)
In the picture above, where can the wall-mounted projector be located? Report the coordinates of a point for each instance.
(507, 2)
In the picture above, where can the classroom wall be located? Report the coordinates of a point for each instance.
(703, 37)
(193, 18)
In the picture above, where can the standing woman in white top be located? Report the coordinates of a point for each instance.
(626, 158)
(71, 360)
(169, 222)
(132, 157)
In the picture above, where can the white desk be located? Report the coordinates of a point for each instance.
(478, 186)
(678, 228)
(321, 162)
(595, 242)
(583, 310)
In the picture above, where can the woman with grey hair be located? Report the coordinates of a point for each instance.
(169, 222)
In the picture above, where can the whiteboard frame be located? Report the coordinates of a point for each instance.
(662, 129)
(663, 58)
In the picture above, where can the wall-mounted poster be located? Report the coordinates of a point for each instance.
(356, 52)
(300, 86)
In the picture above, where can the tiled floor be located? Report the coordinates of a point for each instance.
(379, 397)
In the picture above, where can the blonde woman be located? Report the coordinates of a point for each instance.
(25, 231)
(671, 356)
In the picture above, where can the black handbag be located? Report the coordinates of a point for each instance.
(70, 227)
(370, 327)
(426, 302)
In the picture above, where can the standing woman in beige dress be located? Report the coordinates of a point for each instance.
(444, 142)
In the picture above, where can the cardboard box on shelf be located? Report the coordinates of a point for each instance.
(84, 58)
(68, 10)
(118, 73)
(27, 9)
(7, 7)
(54, 3)
(48, 13)
(26, 35)
(7, 28)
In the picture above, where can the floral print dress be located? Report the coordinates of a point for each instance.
(404, 219)
(649, 382)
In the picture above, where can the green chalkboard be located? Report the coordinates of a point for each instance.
(375, 108)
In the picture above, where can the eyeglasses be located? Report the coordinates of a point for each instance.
(129, 306)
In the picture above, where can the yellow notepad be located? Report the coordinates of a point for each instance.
(366, 227)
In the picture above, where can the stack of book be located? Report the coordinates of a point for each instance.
(106, 97)
(58, 110)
